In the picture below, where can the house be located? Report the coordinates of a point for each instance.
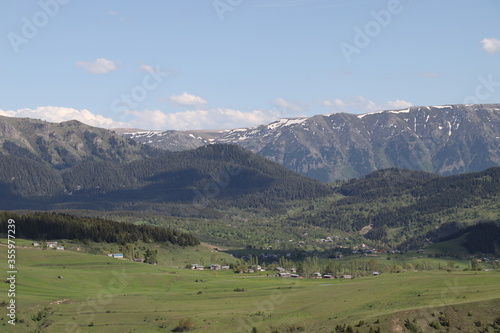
(197, 267)
(117, 255)
(60, 248)
(346, 276)
(316, 275)
(421, 251)
(225, 267)
(251, 270)
(283, 274)
(51, 244)
(215, 267)
(328, 276)
(139, 260)
(280, 269)
(293, 270)
(35, 244)
(296, 276)
(376, 273)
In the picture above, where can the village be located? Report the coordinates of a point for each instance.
(344, 263)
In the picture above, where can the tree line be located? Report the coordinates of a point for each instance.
(42, 226)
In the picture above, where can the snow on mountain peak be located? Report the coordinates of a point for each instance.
(286, 122)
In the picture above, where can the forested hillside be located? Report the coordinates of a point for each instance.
(409, 208)
(215, 176)
(42, 226)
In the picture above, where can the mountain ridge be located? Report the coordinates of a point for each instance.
(447, 139)
(66, 144)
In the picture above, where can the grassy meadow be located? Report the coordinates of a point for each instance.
(101, 294)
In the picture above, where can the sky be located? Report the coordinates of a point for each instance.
(221, 64)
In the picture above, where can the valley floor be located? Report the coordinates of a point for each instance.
(100, 294)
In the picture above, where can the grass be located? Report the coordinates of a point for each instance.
(101, 294)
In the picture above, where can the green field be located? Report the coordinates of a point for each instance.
(102, 294)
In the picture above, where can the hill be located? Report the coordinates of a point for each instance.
(446, 140)
(183, 183)
(408, 209)
(66, 144)
(37, 226)
(479, 238)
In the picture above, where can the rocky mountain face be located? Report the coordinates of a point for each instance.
(446, 140)
(172, 140)
(66, 144)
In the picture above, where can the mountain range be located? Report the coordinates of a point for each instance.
(210, 189)
(445, 140)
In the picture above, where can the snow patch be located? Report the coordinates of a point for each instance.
(400, 111)
(368, 114)
(285, 122)
(389, 111)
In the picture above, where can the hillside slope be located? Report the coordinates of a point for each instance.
(408, 209)
(215, 176)
(66, 144)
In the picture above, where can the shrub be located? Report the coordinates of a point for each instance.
(184, 325)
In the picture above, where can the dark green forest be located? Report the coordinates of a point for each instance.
(480, 238)
(408, 208)
(217, 176)
(221, 185)
(42, 226)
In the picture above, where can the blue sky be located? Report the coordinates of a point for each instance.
(221, 64)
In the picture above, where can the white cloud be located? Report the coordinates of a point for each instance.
(361, 104)
(398, 104)
(147, 68)
(99, 66)
(335, 103)
(186, 99)
(491, 45)
(58, 114)
(286, 105)
(220, 118)
(112, 13)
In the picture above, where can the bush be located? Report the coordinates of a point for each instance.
(184, 325)
(435, 325)
(411, 325)
(444, 321)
